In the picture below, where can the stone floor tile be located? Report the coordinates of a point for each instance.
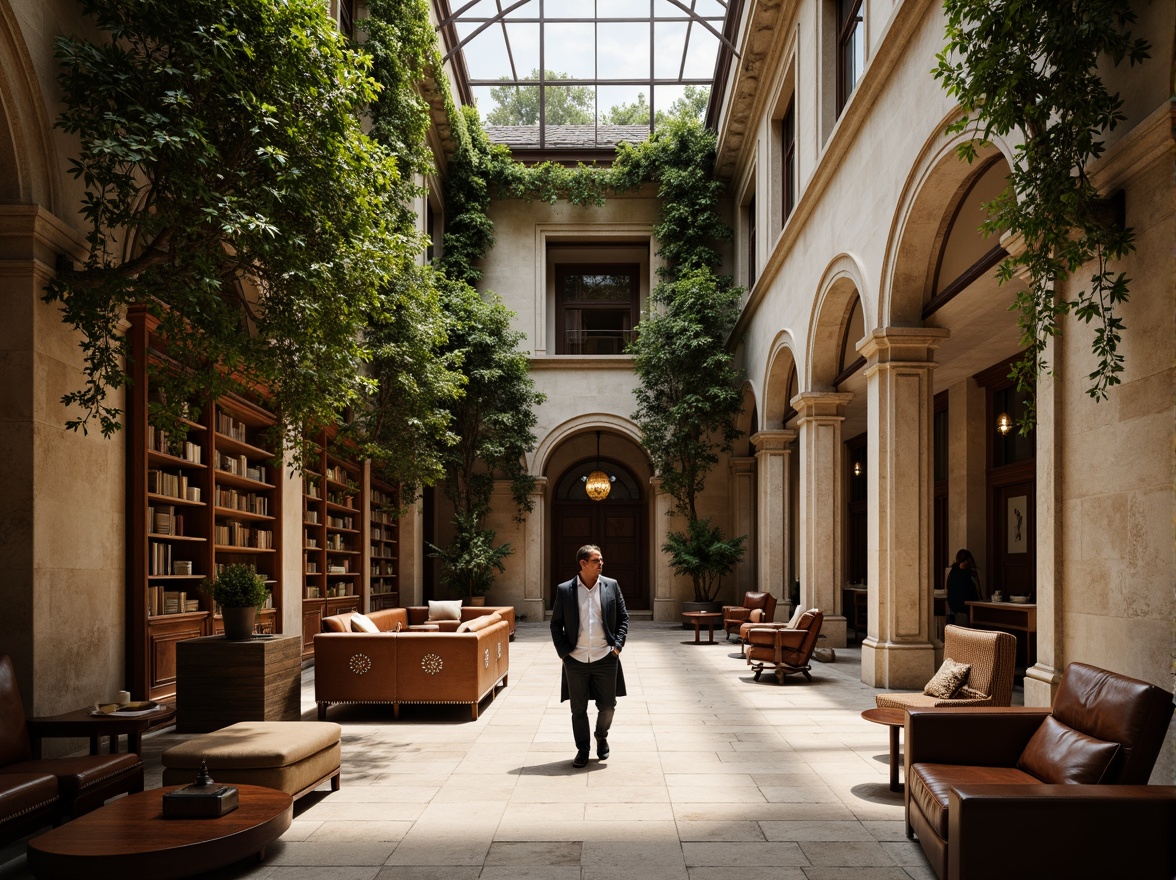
(842, 853)
(358, 832)
(810, 829)
(530, 872)
(711, 830)
(531, 852)
(844, 873)
(431, 851)
(327, 853)
(744, 855)
(428, 872)
(886, 829)
(761, 873)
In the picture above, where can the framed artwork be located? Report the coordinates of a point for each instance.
(1018, 524)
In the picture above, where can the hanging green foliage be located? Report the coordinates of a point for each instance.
(1031, 69)
(229, 187)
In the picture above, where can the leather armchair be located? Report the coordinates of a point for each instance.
(788, 651)
(1031, 792)
(735, 616)
(83, 782)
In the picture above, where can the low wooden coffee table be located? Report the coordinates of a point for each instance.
(130, 838)
(895, 719)
(84, 723)
(698, 618)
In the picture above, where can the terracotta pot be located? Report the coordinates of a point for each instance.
(478, 601)
(239, 622)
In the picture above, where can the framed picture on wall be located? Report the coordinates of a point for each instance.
(1018, 524)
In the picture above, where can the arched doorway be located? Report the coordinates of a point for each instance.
(616, 524)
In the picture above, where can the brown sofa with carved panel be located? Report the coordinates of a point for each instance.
(1026, 793)
(391, 667)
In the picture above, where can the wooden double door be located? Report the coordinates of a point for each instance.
(617, 527)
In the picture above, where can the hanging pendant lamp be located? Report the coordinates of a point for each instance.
(598, 484)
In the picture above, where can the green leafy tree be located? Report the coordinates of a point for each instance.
(230, 188)
(1031, 69)
(687, 396)
(691, 105)
(636, 113)
(519, 105)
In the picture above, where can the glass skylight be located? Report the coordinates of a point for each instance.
(575, 74)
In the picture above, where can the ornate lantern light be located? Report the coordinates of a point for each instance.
(597, 484)
(1004, 424)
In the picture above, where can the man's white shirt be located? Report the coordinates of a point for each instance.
(591, 645)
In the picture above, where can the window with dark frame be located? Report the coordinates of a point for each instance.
(788, 175)
(851, 49)
(347, 18)
(751, 243)
(597, 307)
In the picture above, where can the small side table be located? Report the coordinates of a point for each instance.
(81, 723)
(895, 719)
(424, 628)
(698, 618)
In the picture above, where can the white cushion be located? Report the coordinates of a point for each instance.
(449, 610)
(361, 623)
(480, 622)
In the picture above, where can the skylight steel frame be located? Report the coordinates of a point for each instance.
(713, 24)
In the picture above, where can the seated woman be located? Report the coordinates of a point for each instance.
(963, 585)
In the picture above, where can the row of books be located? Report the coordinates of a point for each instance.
(240, 466)
(380, 516)
(337, 474)
(311, 567)
(381, 499)
(160, 560)
(235, 534)
(343, 499)
(335, 542)
(310, 489)
(250, 502)
(161, 600)
(312, 517)
(172, 485)
(343, 567)
(382, 569)
(340, 522)
(163, 520)
(158, 441)
(230, 427)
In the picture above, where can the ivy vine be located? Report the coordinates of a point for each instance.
(1032, 69)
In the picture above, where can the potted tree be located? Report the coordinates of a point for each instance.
(469, 561)
(238, 591)
(703, 554)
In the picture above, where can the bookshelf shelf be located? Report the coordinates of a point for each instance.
(182, 493)
(383, 531)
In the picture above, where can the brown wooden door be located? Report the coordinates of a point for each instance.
(617, 528)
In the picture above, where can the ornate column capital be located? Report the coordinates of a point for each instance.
(821, 405)
(894, 345)
(772, 440)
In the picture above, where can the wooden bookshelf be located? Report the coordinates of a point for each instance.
(178, 503)
(383, 545)
(314, 544)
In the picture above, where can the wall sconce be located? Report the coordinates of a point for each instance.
(857, 468)
(597, 484)
(1004, 424)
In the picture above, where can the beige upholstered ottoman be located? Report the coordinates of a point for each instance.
(293, 756)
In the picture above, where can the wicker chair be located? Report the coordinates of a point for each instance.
(992, 656)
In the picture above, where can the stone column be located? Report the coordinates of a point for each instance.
(533, 603)
(667, 603)
(773, 451)
(897, 651)
(741, 493)
(822, 504)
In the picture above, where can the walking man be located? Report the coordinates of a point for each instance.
(589, 623)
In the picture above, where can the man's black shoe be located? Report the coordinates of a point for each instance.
(602, 748)
(581, 759)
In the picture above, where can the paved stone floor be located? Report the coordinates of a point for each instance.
(712, 776)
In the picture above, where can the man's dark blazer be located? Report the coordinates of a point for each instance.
(565, 622)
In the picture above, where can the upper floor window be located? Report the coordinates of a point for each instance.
(788, 169)
(597, 305)
(851, 49)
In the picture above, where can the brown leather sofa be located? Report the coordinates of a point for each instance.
(1030, 793)
(40, 791)
(393, 667)
(418, 615)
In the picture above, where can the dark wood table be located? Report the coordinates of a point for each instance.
(895, 719)
(83, 723)
(698, 618)
(130, 838)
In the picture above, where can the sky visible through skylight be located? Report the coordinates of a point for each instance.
(605, 60)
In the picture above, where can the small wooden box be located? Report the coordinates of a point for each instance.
(200, 802)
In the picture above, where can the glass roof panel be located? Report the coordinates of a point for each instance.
(570, 49)
(602, 46)
(622, 50)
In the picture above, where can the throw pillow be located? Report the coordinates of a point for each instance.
(448, 610)
(949, 679)
(795, 619)
(969, 693)
(361, 623)
(480, 622)
(1059, 754)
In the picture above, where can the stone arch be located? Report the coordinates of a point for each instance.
(584, 423)
(777, 400)
(843, 279)
(27, 153)
(936, 182)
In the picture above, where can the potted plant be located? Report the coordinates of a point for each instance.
(469, 561)
(705, 555)
(238, 591)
